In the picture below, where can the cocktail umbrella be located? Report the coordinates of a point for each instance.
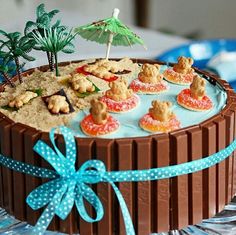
(110, 31)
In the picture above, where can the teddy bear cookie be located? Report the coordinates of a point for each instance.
(98, 122)
(182, 73)
(150, 80)
(195, 98)
(119, 98)
(159, 118)
(106, 69)
(58, 104)
(22, 99)
(80, 83)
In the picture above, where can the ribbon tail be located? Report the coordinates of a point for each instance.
(125, 212)
(48, 214)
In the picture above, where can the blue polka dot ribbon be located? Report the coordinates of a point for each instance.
(68, 186)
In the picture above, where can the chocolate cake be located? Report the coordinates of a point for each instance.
(155, 206)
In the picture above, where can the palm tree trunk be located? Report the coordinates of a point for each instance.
(18, 69)
(52, 62)
(56, 65)
(49, 60)
(8, 79)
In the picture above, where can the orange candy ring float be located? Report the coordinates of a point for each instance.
(185, 99)
(148, 88)
(120, 106)
(151, 125)
(178, 78)
(91, 129)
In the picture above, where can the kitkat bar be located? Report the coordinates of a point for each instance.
(143, 160)
(161, 188)
(67, 225)
(19, 196)
(195, 179)
(179, 185)
(209, 174)
(6, 150)
(233, 108)
(229, 116)
(125, 155)
(85, 152)
(220, 167)
(54, 225)
(31, 136)
(104, 152)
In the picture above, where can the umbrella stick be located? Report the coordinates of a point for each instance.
(115, 14)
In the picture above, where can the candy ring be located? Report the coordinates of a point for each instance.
(151, 125)
(177, 78)
(148, 88)
(121, 106)
(184, 99)
(91, 129)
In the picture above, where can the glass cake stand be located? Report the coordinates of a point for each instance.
(224, 223)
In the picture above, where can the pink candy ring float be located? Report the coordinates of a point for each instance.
(182, 73)
(119, 98)
(159, 118)
(150, 80)
(92, 129)
(120, 106)
(195, 98)
(147, 88)
(185, 99)
(98, 122)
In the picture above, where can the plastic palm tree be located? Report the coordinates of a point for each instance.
(43, 22)
(17, 47)
(54, 41)
(6, 69)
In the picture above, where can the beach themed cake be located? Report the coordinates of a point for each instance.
(126, 115)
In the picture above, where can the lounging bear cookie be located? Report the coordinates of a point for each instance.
(182, 73)
(119, 98)
(149, 81)
(159, 118)
(98, 122)
(195, 97)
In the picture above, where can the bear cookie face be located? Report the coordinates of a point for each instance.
(98, 111)
(57, 104)
(161, 110)
(150, 73)
(184, 65)
(119, 90)
(197, 87)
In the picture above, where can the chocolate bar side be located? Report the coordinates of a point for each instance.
(229, 116)
(19, 197)
(5, 141)
(54, 225)
(195, 179)
(209, 174)
(125, 148)
(67, 225)
(220, 168)
(85, 150)
(233, 108)
(179, 184)
(104, 150)
(161, 188)
(1, 178)
(31, 136)
(144, 161)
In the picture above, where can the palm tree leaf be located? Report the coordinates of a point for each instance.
(44, 20)
(40, 10)
(27, 57)
(52, 13)
(2, 32)
(70, 48)
(29, 26)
